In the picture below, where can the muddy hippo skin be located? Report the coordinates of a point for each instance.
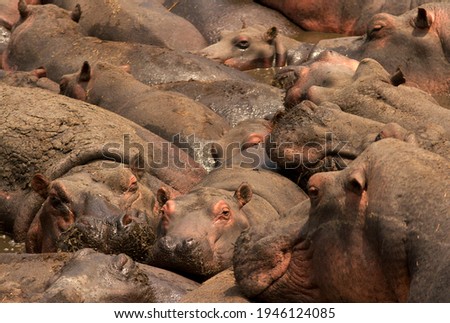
(235, 100)
(82, 154)
(213, 17)
(171, 115)
(86, 276)
(416, 42)
(307, 139)
(376, 95)
(145, 22)
(376, 232)
(34, 78)
(198, 230)
(66, 48)
(342, 17)
(327, 69)
(251, 47)
(90, 206)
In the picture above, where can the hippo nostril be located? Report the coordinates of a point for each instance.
(126, 219)
(189, 242)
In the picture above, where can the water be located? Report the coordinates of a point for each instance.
(7, 245)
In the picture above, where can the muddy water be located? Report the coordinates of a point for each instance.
(7, 245)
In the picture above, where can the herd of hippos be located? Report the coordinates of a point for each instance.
(143, 160)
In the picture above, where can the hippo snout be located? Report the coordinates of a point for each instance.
(180, 247)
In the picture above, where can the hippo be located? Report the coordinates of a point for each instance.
(244, 146)
(213, 17)
(327, 69)
(9, 14)
(87, 276)
(252, 47)
(308, 138)
(338, 16)
(170, 115)
(35, 78)
(145, 22)
(197, 230)
(375, 94)
(377, 231)
(66, 48)
(234, 100)
(415, 42)
(64, 160)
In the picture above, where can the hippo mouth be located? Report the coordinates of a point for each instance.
(188, 257)
(109, 236)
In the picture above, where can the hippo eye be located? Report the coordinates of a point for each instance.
(313, 192)
(378, 137)
(225, 214)
(373, 32)
(242, 43)
(63, 87)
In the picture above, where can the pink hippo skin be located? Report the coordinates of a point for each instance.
(376, 232)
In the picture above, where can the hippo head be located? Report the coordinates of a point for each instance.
(197, 231)
(91, 276)
(93, 206)
(248, 48)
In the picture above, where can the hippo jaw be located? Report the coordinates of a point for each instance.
(277, 268)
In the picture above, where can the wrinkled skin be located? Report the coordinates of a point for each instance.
(250, 48)
(366, 239)
(308, 139)
(329, 69)
(416, 42)
(86, 277)
(197, 230)
(211, 17)
(34, 78)
(66, 48)
(145, 22)
(376, 95)
(235, 100)
(114, 89)
(86, 152)
(342, 17)
(105, 209)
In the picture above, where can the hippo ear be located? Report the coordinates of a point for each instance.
(423, 19)
(76, 13)
(137, 165)
(397, 78)
(243, 194)
(85, 73)
(39, 184)
(126, 68)
(163, 195)
(356, 182)
(271, 34)
(23, 8)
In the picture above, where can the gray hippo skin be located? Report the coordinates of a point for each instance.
(171, 115)
(65, 161)
(235, 100)
(197, 231)
(336, 16)
(376, 232)
(212, 17)
(417, 42)
(375, 94)
(66, 48)
(87, 276)
(138, 21)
